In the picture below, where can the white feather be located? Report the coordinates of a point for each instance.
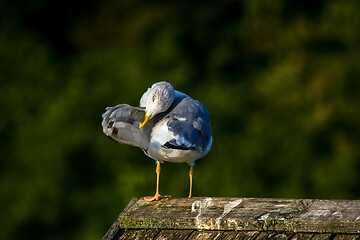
(144, 97)
(161, 133)
(174, 153)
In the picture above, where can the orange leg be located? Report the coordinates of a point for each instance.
(157, 196)
(191, 173)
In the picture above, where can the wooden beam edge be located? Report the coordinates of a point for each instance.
(149, 219)
(128, 222)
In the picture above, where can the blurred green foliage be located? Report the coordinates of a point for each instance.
(279, 78)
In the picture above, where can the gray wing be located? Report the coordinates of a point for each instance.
(121, 122)
(190, 123)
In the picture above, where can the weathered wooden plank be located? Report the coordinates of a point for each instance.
(302, 236)
(346, 237)
(253, 214)
(206, 235)
(323, 236)
(138, 234)
(274, 235)
(173, 234)
(240, 235)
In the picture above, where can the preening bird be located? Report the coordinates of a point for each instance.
(168, 126)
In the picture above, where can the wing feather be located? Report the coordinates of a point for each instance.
(190, 125)
(121, 123)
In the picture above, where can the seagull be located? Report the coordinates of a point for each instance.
(168, 126)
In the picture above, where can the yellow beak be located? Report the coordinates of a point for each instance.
(145, 119)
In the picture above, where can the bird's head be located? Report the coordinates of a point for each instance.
(157, 99)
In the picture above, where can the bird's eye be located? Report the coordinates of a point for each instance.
(153, 98)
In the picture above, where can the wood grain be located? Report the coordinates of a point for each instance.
(250, 214)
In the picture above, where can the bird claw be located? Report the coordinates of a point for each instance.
(157, 197)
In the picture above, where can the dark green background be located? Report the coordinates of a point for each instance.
(280, 79)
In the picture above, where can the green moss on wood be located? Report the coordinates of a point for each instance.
(147, 223)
